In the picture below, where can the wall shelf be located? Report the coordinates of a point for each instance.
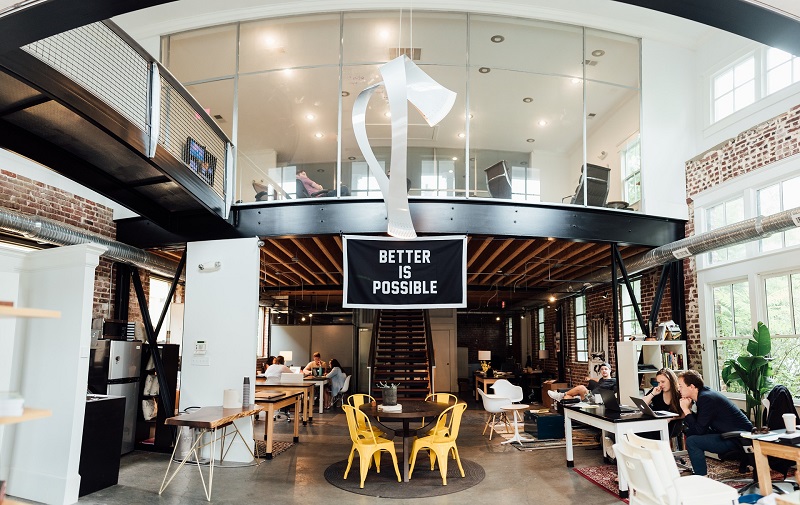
(6, 311)
(27, 415)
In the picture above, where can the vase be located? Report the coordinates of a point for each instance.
(390, 396)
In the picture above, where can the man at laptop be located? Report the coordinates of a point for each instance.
(274, 371)
(316, 362)
(716, 414)
(604, 382)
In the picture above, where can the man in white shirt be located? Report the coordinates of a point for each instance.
(273, 373)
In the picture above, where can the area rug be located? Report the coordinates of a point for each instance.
(605, 476)
(277, 448)
(581, 437)
(423, 483)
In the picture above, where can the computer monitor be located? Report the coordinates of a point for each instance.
(498, 180)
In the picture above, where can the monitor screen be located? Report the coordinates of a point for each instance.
(199, 160)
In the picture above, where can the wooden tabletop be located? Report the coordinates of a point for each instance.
(213, 417)
(412, 409)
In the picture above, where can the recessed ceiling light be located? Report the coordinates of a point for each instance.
(384, 34)
(320, 170)
(319, 135)
(552, 298)
(311, 117)
(542, 122)
(484, 70)
(591, 115)
(462, 135)
(455, 158)
(351, 158)
(387, 113)
(497, 39)
(523, 163)
(450, 171)
(598, 52)
(527, 99)
(345, 93)
(575, 80)
(530, 140)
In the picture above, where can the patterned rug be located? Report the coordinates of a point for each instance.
(277, 448)
(605, 476)
(581, 437)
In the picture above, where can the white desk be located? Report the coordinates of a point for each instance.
(615, 423)
(320, 382)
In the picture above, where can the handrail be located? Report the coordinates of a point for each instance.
(372, 345)
(431, 353)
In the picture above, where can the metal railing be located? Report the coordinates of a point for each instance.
(106, 62)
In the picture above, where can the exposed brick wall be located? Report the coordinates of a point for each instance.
(751, 150)
(483, 332)
(34, 198)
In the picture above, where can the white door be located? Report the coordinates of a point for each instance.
(441, 346)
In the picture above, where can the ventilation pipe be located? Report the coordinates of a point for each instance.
(48, 231)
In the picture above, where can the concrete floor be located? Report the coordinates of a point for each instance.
(296, 476)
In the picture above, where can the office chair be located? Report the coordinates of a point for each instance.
(498, 180)
(596, 181)
(340, 396)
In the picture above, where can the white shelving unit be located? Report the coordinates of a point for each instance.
(657, 353)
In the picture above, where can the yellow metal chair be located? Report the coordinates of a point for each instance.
(356, 401)
(441, 442)
(368, 445)
(446, 398)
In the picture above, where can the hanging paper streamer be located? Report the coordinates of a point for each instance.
(404, 82)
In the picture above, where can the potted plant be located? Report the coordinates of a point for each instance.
(753, 372)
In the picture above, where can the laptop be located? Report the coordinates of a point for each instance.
(646, 410)
(611, 403)
(296, 369)
(291, 378)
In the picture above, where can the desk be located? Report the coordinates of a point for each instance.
(207, 419)
(319, 381)
(762, 449)
(271, 405)
(412, 410)
(485, 382)
(306, 389)
(613, 422)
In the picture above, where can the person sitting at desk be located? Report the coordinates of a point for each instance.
(716, 414)
(316, 362)
(337, 381)
(665, 396)
(274, 371)
(604, 382)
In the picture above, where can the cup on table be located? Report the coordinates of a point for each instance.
(790, 420)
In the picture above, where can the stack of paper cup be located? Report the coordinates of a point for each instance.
(230, 399)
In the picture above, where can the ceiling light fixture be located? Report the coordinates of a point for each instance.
(319, 135)
(311, 117)
(552, 298)
(575, 80)
(462, 135)
(530, 141)
(455, 158)
(484, 70)
(387, 114)
(527, 99)
(351, 158)
(497, 39)
(598, 53)
(542, 122)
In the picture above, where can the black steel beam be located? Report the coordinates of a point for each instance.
(678, 297)
(614, 293)
(23, 24)
(735, 16)
(634, 301)
(662, 285)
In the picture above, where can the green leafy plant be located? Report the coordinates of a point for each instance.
(753, 372)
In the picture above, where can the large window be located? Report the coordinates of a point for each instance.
(540, 321)
(159, 290)
(782, 69)
(731, 320)
(631, 169)
(581, 335)
(721, 215)
(734, 88)
(782, 294)
(630, 323)
(775, 198)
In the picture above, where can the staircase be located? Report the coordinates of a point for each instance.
(402, 353)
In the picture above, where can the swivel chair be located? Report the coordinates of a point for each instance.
(596, 180)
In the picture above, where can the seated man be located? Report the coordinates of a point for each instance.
(316, 362)
(274, 371)
(716, 414)
(315, 190)
(604, 382)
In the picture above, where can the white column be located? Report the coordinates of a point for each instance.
(221, 309)
(53, 371)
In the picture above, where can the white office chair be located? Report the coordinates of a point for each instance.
(493, 404)
(504, 388)
(654, 479)
(339, 398)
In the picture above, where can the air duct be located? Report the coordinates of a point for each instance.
(48, 231)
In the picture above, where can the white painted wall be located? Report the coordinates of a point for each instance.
(332, 341)
(221, 308)
(10, 265)
(51, 369)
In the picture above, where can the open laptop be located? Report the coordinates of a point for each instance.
(291, 378)
(611, 403)
(646, 410)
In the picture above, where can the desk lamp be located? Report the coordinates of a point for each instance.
(287, 357)
(485, 358)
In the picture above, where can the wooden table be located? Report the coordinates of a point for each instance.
(306, 389)
(319, 381)
(207, 419)
(486, 382)
(271, 405)
(412, 410)
(762, 449)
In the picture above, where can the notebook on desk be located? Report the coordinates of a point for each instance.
(269, 395)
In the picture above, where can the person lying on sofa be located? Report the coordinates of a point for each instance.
(604, 382)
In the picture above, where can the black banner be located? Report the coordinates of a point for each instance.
(381, 272)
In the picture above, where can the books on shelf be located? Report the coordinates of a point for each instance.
(673, 360)
(11, 404)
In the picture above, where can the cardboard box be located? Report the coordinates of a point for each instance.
(551, 385)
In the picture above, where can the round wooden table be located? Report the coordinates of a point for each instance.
(412, 410)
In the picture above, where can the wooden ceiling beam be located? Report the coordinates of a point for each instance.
(313, 257)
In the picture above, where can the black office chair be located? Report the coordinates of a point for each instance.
(596, 181)
(498, 181)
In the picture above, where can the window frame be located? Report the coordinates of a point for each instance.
(540, 329)
(634, 141)
(581, 336)
(637, 285)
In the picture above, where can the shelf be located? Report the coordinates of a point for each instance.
(27, 415)
(6, 311)
(9, 501)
